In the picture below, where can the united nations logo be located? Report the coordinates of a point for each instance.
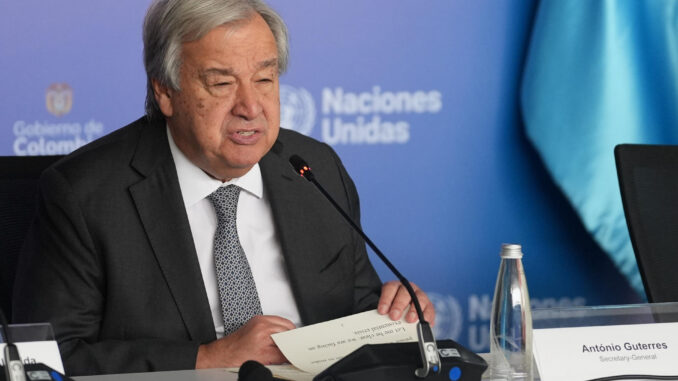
(449, 318)
(297, 110)
(59, 99)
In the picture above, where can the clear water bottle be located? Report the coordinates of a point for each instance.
(511, 321)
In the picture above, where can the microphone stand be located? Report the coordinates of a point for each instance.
(428, 349)
(14, 367)
(15, 370)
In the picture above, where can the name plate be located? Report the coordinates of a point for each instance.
(583, 353)
(32, 352)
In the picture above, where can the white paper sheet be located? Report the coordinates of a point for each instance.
(315, 347)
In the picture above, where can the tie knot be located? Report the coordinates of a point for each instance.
(225, 200)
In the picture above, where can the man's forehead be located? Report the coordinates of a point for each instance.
(252, 34)
(216, 55)
(253, 21)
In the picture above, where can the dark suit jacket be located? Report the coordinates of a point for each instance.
(111, 263)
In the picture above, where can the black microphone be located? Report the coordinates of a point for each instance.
(427, 343)
(254, 371)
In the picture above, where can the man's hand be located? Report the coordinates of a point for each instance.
(395, 298)
(251, 342)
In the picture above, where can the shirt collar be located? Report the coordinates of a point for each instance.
(196, 184)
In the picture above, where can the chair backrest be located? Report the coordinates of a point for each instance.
(648, 179)
(19, 177)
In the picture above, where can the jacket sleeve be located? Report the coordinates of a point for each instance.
(61, 279)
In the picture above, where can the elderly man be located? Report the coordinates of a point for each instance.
(184, 240)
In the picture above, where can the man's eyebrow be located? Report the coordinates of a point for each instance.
(217, 71)
(273, 62)
(268, 63)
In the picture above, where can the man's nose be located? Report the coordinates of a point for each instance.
(247, 105)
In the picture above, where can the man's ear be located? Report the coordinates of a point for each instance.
(163, 95)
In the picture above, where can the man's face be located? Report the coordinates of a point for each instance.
(226, 116)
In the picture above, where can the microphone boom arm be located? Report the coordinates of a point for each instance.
(427, 343)
(374, 248)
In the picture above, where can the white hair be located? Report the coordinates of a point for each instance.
(170, 23)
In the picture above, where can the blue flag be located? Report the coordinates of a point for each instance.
(600, 73)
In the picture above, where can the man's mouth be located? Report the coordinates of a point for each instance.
(246, 133)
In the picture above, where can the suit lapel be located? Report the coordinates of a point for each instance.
(304, 226)
(161, 210)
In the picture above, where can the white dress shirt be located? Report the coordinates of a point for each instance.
(256, 231)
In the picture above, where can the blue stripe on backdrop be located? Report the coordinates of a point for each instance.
(600, 73)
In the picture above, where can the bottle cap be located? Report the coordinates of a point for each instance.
(511, 250)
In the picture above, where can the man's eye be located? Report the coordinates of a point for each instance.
(221, 84)
(263, 80)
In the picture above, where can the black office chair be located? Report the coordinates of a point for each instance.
(18, 200)
(648, 179)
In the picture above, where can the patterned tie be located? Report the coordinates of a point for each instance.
(237, 291)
